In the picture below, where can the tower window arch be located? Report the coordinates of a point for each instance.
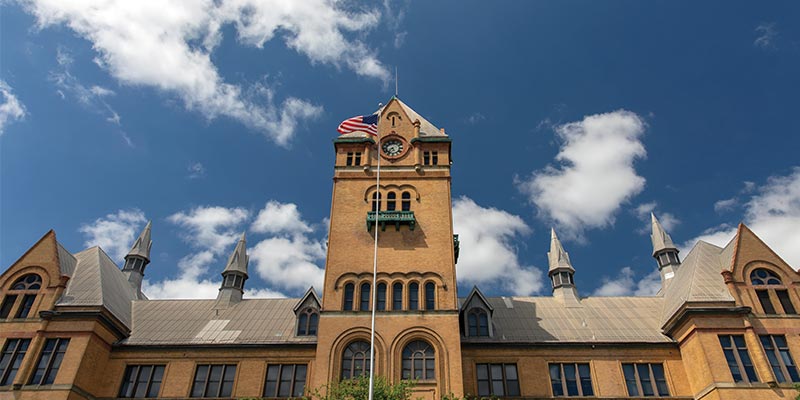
(769, 287)
(413, 296)
(397, 296)
(355, 360)
(477, 323)
(307, 322)
(349, 290)
(391, 201)
(419, 361)
(376, 201)
(381, 302)
(364, 293)
(26, 286)
(430, 296)
(405, 201)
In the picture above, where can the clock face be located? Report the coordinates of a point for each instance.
(392, 147)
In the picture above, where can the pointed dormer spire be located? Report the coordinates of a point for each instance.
(561, 272)
(138, 258)
(664, 251)
(234, 275)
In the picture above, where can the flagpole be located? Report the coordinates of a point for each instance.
(375, 269)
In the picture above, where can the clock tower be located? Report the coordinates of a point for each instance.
(416, 324)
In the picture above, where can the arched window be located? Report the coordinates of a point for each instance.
(430, 296)
(406, 201)
(348, 296)
(419, 361)
(364, 306)
(413, 296)
(765, 282)
(397, 296)
(26, 286)
(391, 201)
(307, 322)
(381, 297)
(477, 323)
(355, 360)
(376, 201)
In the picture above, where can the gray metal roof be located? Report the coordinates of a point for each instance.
(141, 247)
(557, 257)
(97, 281)
(698, 278)
(660, 238)
(239, 259)
(193, 322)
(66, 261)
(597, 320)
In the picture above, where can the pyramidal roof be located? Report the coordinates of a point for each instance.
(238, 260)
(141, 247)
(426, 128)
(557, 257)
(660, 238)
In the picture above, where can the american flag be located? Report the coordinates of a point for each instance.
(363, 123)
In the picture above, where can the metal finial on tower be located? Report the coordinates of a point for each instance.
(396, 87)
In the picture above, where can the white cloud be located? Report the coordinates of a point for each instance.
(10, 107)
(595, 174)
(196, 170)
(129, 35)
(626, 284)
(487, 252)
(773, 213)
(211, 228)
(475, 118)
(276, 218)
(668, 220)
(766, 35)
(115, 232)
(725, 204)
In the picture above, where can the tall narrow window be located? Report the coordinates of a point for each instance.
(141, 381)
(391, 201)
(766, 303)
(355, 360)
(307, 322)
(27, 286)
(766, 281)
(477, 323)
(497, 380)
(349, 160)
(435, 158)
(430, 296)
(50, 361)
(214, 380)
(571, 379)
(739, 363)
(426, 158)
(418, 361)
(397, 296)
(376, 201)
(381, 304)
(786, 302)
(11, 359)
(285, 380)
(8, 304)
(645, 380)
(780, 359)
(406, 201)
(413, 296)
(357, 158)
(348, 296)
(364, 306)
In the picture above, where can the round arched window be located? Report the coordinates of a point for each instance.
(28, 282)
(355, 360)
(763, 276)
(418, 361)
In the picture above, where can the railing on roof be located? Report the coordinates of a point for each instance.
(393, 217)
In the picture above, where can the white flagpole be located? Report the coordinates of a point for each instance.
(375, 269)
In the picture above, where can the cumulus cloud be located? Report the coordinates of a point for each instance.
(196, 170)
(773, 213)
(10, 107)
(129, 35)
(211, 228)
(626, 284)
(487, 254)
(642, 212)
(289, 257)
(595, 174)
(766, 35)
(115, 232)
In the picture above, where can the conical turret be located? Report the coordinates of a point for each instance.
(664, 251)
(138, 257)
(234, 275)
(561, 272)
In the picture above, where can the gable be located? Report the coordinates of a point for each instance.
(42, 258)
(750, 251)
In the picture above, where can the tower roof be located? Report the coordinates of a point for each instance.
(660, 237)
(238, 260)
(557, 257)
(141, 247)
(426, 128)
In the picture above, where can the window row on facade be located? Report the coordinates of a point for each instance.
(47, 365)
(391, 201)
(401, 297)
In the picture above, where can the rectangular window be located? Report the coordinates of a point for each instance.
(11, 358)
(780, 359)
(497, 379)
(571, 379)
(25, 307)
(141, 381)
(349, 161)
(426, 158)
(8, 304)
(285, 380)
(766, 303)
(786, 302)
(49, 362)
(213, 380)
(357, 160)
(435, 158)
(738, 358)
(645, 379)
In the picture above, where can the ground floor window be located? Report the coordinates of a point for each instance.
(50, 361)
(141, 381)
(418, 361)
(645, 379)
(285, 380)
(497, 379)
(571, 379)
(355, 360)
(214, 380)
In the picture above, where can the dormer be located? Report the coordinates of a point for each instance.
(307, 313)
(476, 315)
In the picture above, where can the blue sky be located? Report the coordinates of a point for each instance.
(217, 117)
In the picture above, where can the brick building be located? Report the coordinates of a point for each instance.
(723, 326)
